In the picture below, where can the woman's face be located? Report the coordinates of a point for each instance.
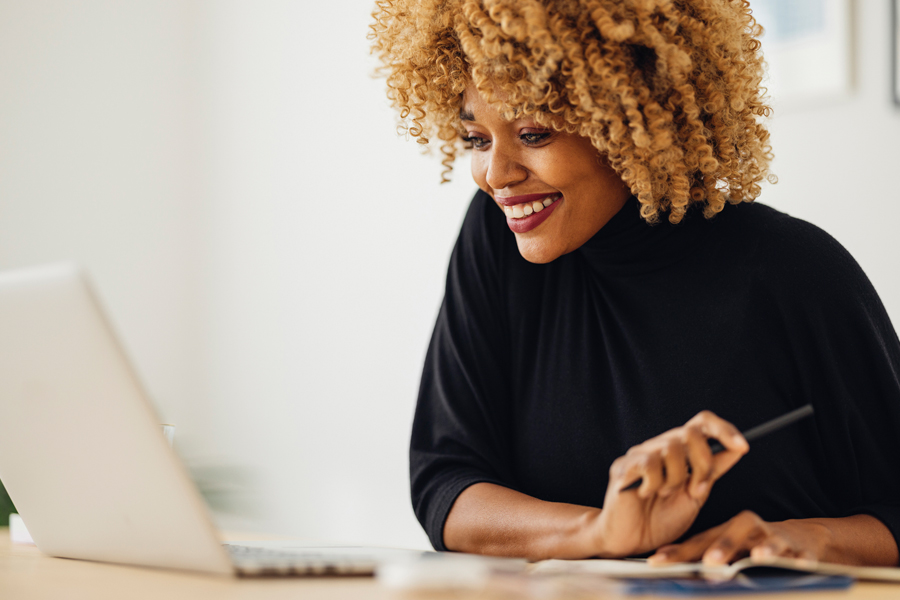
(555, 188)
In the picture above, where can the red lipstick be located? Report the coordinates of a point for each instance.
(524, 224)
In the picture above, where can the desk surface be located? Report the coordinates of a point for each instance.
(27, 573)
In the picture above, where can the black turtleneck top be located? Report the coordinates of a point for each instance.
(539, 376)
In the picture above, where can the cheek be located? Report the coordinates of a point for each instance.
(561, 163)
(572, 173)
(557, 172)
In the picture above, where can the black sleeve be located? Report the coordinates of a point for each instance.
(459, 434)
(848, 362)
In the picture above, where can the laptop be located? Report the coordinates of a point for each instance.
(83, 456)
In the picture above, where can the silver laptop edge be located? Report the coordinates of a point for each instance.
(81, 450)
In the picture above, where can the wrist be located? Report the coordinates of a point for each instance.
(588, 543)
(855, 540)
(573, 541)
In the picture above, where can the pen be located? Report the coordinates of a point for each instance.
(751, 434)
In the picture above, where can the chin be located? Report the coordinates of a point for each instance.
(536, 252)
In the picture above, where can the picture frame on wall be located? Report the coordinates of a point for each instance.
(808, 47)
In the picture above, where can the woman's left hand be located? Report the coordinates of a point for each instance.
(747, 534)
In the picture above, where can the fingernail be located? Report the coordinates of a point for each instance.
(714, 556)
(702, 488)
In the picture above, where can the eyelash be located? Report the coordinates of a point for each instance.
(535, 139)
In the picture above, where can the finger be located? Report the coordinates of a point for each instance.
(652, 475)
(675, 462)
(723, 462)
(687, 551)
(807, 555)
(773, 545)
(742, 533)
(625, 471)
(728, 435)
(718, 428)
(701, 459)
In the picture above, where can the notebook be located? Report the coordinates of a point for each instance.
(641, 569)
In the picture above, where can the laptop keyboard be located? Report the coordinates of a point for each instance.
(255, 561)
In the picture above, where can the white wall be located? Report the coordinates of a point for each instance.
(327, 246)
(96, 154)
(271, 252)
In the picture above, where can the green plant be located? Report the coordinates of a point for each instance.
(6, 506)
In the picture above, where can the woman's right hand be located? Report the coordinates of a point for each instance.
(678, 470)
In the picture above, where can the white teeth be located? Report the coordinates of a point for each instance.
(523, 210)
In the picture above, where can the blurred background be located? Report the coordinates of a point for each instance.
(272, 253)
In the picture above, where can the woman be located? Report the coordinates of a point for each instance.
(614, 299)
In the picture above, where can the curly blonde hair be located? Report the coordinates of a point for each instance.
(668, 90)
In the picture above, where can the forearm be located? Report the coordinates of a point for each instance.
(494, 520)
(855, 540)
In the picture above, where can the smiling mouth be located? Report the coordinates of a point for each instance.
(525, 209)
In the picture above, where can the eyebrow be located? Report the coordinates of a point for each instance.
(465, 115)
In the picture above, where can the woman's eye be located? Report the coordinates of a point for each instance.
(476, 142)
(534, 138)
(529, 139)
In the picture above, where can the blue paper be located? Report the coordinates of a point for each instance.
(742, 584)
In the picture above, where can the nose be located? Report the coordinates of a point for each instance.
(504, 169)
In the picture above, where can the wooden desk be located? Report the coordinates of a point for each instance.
(27, 573)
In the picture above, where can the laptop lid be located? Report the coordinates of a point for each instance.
(82, 453)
